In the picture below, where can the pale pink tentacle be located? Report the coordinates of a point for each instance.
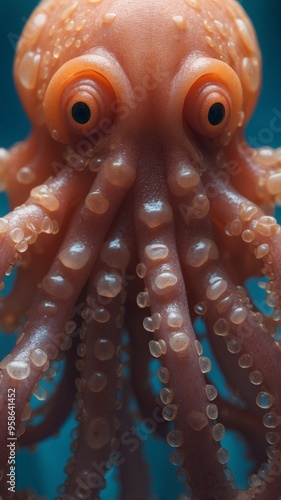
(33, 266)
(47, 203)
(164, 280)
(99, 383)
(150, 405)
(134, 470)
(26, 165)
(97, 388)
(57, 408)
(261, 232)
(60, 289)
(228, 315)
(255, 173)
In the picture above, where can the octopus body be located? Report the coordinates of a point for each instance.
(137, 205)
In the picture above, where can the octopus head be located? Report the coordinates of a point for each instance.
(136, 69)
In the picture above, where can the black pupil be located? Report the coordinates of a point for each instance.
(81, 113)
(216, 114)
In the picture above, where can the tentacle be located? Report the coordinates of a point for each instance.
(230, 317)
(32, 268)
(239, 217)
(57, 408)
(228, 314)
(150, 405)
(97, 387)
(53, 199)
(62, 286)
(255, 173)
(133, 470)
(99, 383)
(176, 341)
(245, 422)
(27, 165)
(4, 165)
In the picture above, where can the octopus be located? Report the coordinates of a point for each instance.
(137, 212)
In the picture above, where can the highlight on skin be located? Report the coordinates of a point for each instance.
(137, 205)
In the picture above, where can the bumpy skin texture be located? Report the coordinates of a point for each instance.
(136, 202)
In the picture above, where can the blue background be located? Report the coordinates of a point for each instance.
(46, 464)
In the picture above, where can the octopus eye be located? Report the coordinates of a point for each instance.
(216, 114)
(208, 109)
(78, 100)
(81, 113)
(86, 103)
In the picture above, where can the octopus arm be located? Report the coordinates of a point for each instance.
(26, 165)
(140, 363)
(98, 385)
(134, 470)
(31, 271)
(261, 232)
(44, 212)
(245, 422)
(231, 320)
(255, 173)
(177, 345)
(44, 334)
(57, 408)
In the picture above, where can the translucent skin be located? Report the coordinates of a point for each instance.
(143, 206)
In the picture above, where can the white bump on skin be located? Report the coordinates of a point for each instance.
(246, 36)
(221, 327)
(195, 4)
(200, 251)
(163, 375)
(28, 70)
(155, 213)
(4, 224)
(184, 180)
(44, 197)
(76, 256)
(115, 253)
(118, 173)
(238, 315)
(97, 203)
(221, 28)
(57, 286)
(104, 349)
(47, 225)
(16, 235)
(180, 22)
(80, 24)
(68, 10)
(25, 175)
(175, 319)
(156, 251)
(57, 52)
(109, 284)
(250, 69)
(18, 370)
(97, 382)
(175, 438)
(38, 357)
(109, 17)
(165, 280)
(179, 342)
(34, 28)
(155, 349)
(216, 289)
